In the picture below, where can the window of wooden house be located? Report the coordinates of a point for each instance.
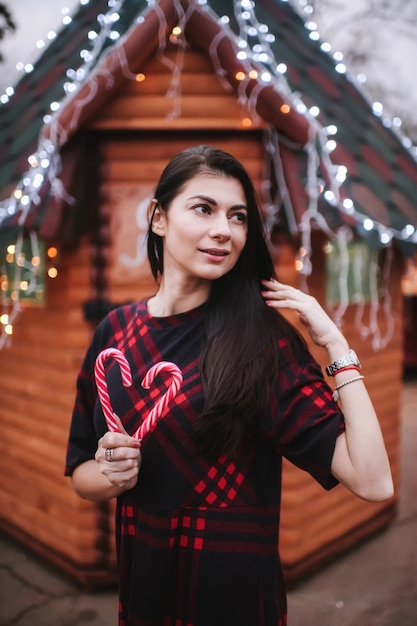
(23, 270)
(352, 271)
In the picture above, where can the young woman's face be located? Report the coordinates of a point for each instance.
(205, 228)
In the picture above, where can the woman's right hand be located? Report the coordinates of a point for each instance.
(119, 458)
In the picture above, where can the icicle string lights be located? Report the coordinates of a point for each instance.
(254, 51)
(45, 163)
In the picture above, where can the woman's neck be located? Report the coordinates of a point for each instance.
(172, 299)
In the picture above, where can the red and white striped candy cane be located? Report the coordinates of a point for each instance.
(176, 379)
(112, 420)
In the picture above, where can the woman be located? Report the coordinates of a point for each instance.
(199, 499)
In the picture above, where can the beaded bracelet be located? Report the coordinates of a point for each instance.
(346, 382)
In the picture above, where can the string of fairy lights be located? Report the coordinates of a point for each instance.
(254, 51)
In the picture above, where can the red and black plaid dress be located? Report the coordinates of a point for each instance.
(197, 540)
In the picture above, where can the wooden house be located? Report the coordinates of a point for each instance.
(124, 87)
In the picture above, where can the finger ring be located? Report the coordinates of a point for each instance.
(108, 455)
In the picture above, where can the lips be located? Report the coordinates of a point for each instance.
(216, 252)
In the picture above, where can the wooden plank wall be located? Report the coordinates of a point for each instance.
(200, 103)
(317, 526)
(39, 370)
(37, 503)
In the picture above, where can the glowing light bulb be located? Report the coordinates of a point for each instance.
(406, 232)
(377, 108)
(341, 68)
(329, 196)
(348, 206)
(368, 224)
(266, 77)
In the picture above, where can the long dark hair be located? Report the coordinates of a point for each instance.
(239, 357)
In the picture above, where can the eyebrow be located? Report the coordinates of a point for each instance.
(214, 203)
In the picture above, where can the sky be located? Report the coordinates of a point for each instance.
(33, 19)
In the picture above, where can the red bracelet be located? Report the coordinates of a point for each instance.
(347, 367)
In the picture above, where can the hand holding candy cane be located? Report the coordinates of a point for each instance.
(113, 422)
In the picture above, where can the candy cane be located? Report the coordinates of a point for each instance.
(113, 422)
(176, 379)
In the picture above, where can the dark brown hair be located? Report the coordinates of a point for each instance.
(239, 356)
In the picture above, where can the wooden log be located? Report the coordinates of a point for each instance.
(294, 546)
(58, 404)
(41, 377)
(35, 446)
(80, 545)
(158, 106)
(155, 150)
(192, 81)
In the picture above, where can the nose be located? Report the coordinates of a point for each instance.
(220, 227)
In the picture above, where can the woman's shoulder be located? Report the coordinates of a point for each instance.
(124, 313)
(117, 320)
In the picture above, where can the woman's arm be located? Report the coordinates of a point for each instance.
(360, 460)
(108, 475)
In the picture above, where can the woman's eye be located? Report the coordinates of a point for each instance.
(239, 217)
(202, 208)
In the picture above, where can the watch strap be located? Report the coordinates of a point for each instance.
(343, 362)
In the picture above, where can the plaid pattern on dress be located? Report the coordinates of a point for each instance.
(198, 540)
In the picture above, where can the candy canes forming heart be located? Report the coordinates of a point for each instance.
(113, 422)
(176, 379)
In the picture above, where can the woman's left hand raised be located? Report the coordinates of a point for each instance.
(320, 326)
